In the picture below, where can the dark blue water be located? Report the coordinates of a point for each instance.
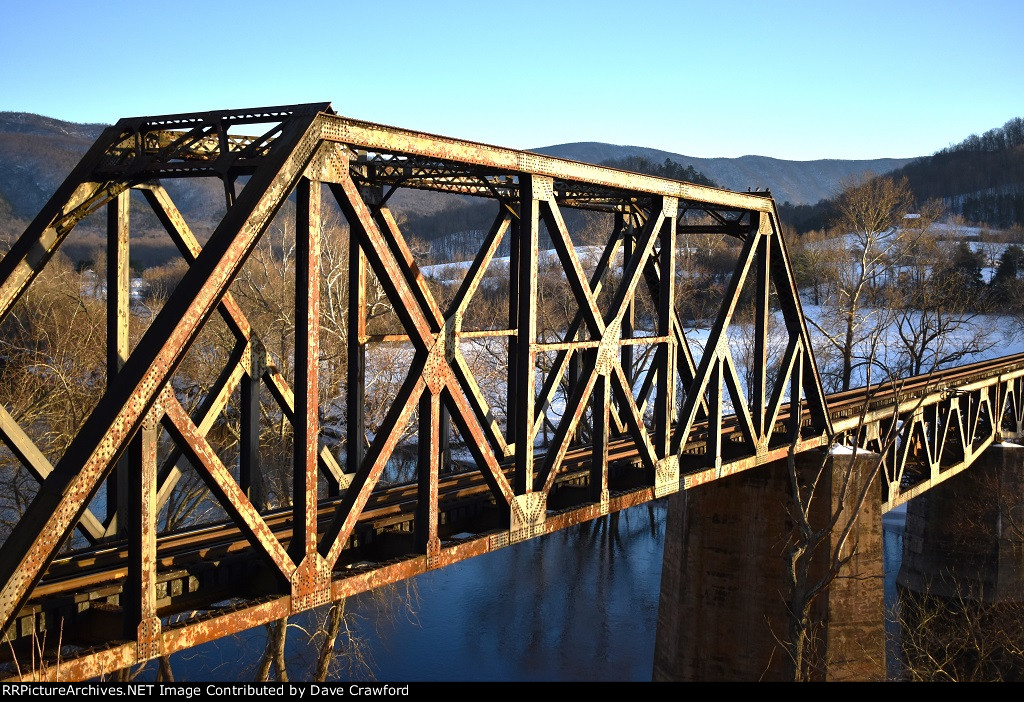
(577, 605)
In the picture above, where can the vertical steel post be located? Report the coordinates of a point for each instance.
(512, 392)
(761, 312)
(356, 384)
(796, 407)
(664, 408)
(573, 378)
(446, 447)
(307, 363)
(428, 471)
(629, 318)
(118, 315)
(529, 228)
(714, 446)
(599, 451)
(139, 516)
(249, 439)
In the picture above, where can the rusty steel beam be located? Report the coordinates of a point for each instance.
(222, 484)
(665, 360)
(140, 613)
(522, 423)
(629, 318)
(306, 422)
(118, 301)
(355, 389)
(380, 138)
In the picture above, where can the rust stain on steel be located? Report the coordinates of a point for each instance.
(211, 627)
(522, 368)
(665, 406)
(143, 570)
(311, 583)
(88, 665)
(427, 505)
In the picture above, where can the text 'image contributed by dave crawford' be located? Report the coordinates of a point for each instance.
(196, 690)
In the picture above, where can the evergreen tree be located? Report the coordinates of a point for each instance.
(1005, 285)
(667, 169)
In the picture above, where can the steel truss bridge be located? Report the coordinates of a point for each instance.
(628, 434)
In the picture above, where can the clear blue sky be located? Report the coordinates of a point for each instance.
(790, 79)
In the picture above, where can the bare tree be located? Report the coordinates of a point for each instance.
(871, 212)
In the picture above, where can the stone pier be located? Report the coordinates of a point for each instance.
(965, 536)
(961, 581)
(726, 588)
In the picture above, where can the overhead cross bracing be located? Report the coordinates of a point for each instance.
(627, 434)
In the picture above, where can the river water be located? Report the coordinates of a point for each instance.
(577, 605)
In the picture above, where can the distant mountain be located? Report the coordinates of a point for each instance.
(980, 179)
(797, 182)
(36, 154)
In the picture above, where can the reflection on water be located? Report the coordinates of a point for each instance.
(892, 555)
(579, 604)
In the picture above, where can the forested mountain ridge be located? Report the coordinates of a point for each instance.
(37, 152)
(980, 179)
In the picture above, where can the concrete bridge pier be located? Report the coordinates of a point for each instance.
(962, 574)
(726, 588)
